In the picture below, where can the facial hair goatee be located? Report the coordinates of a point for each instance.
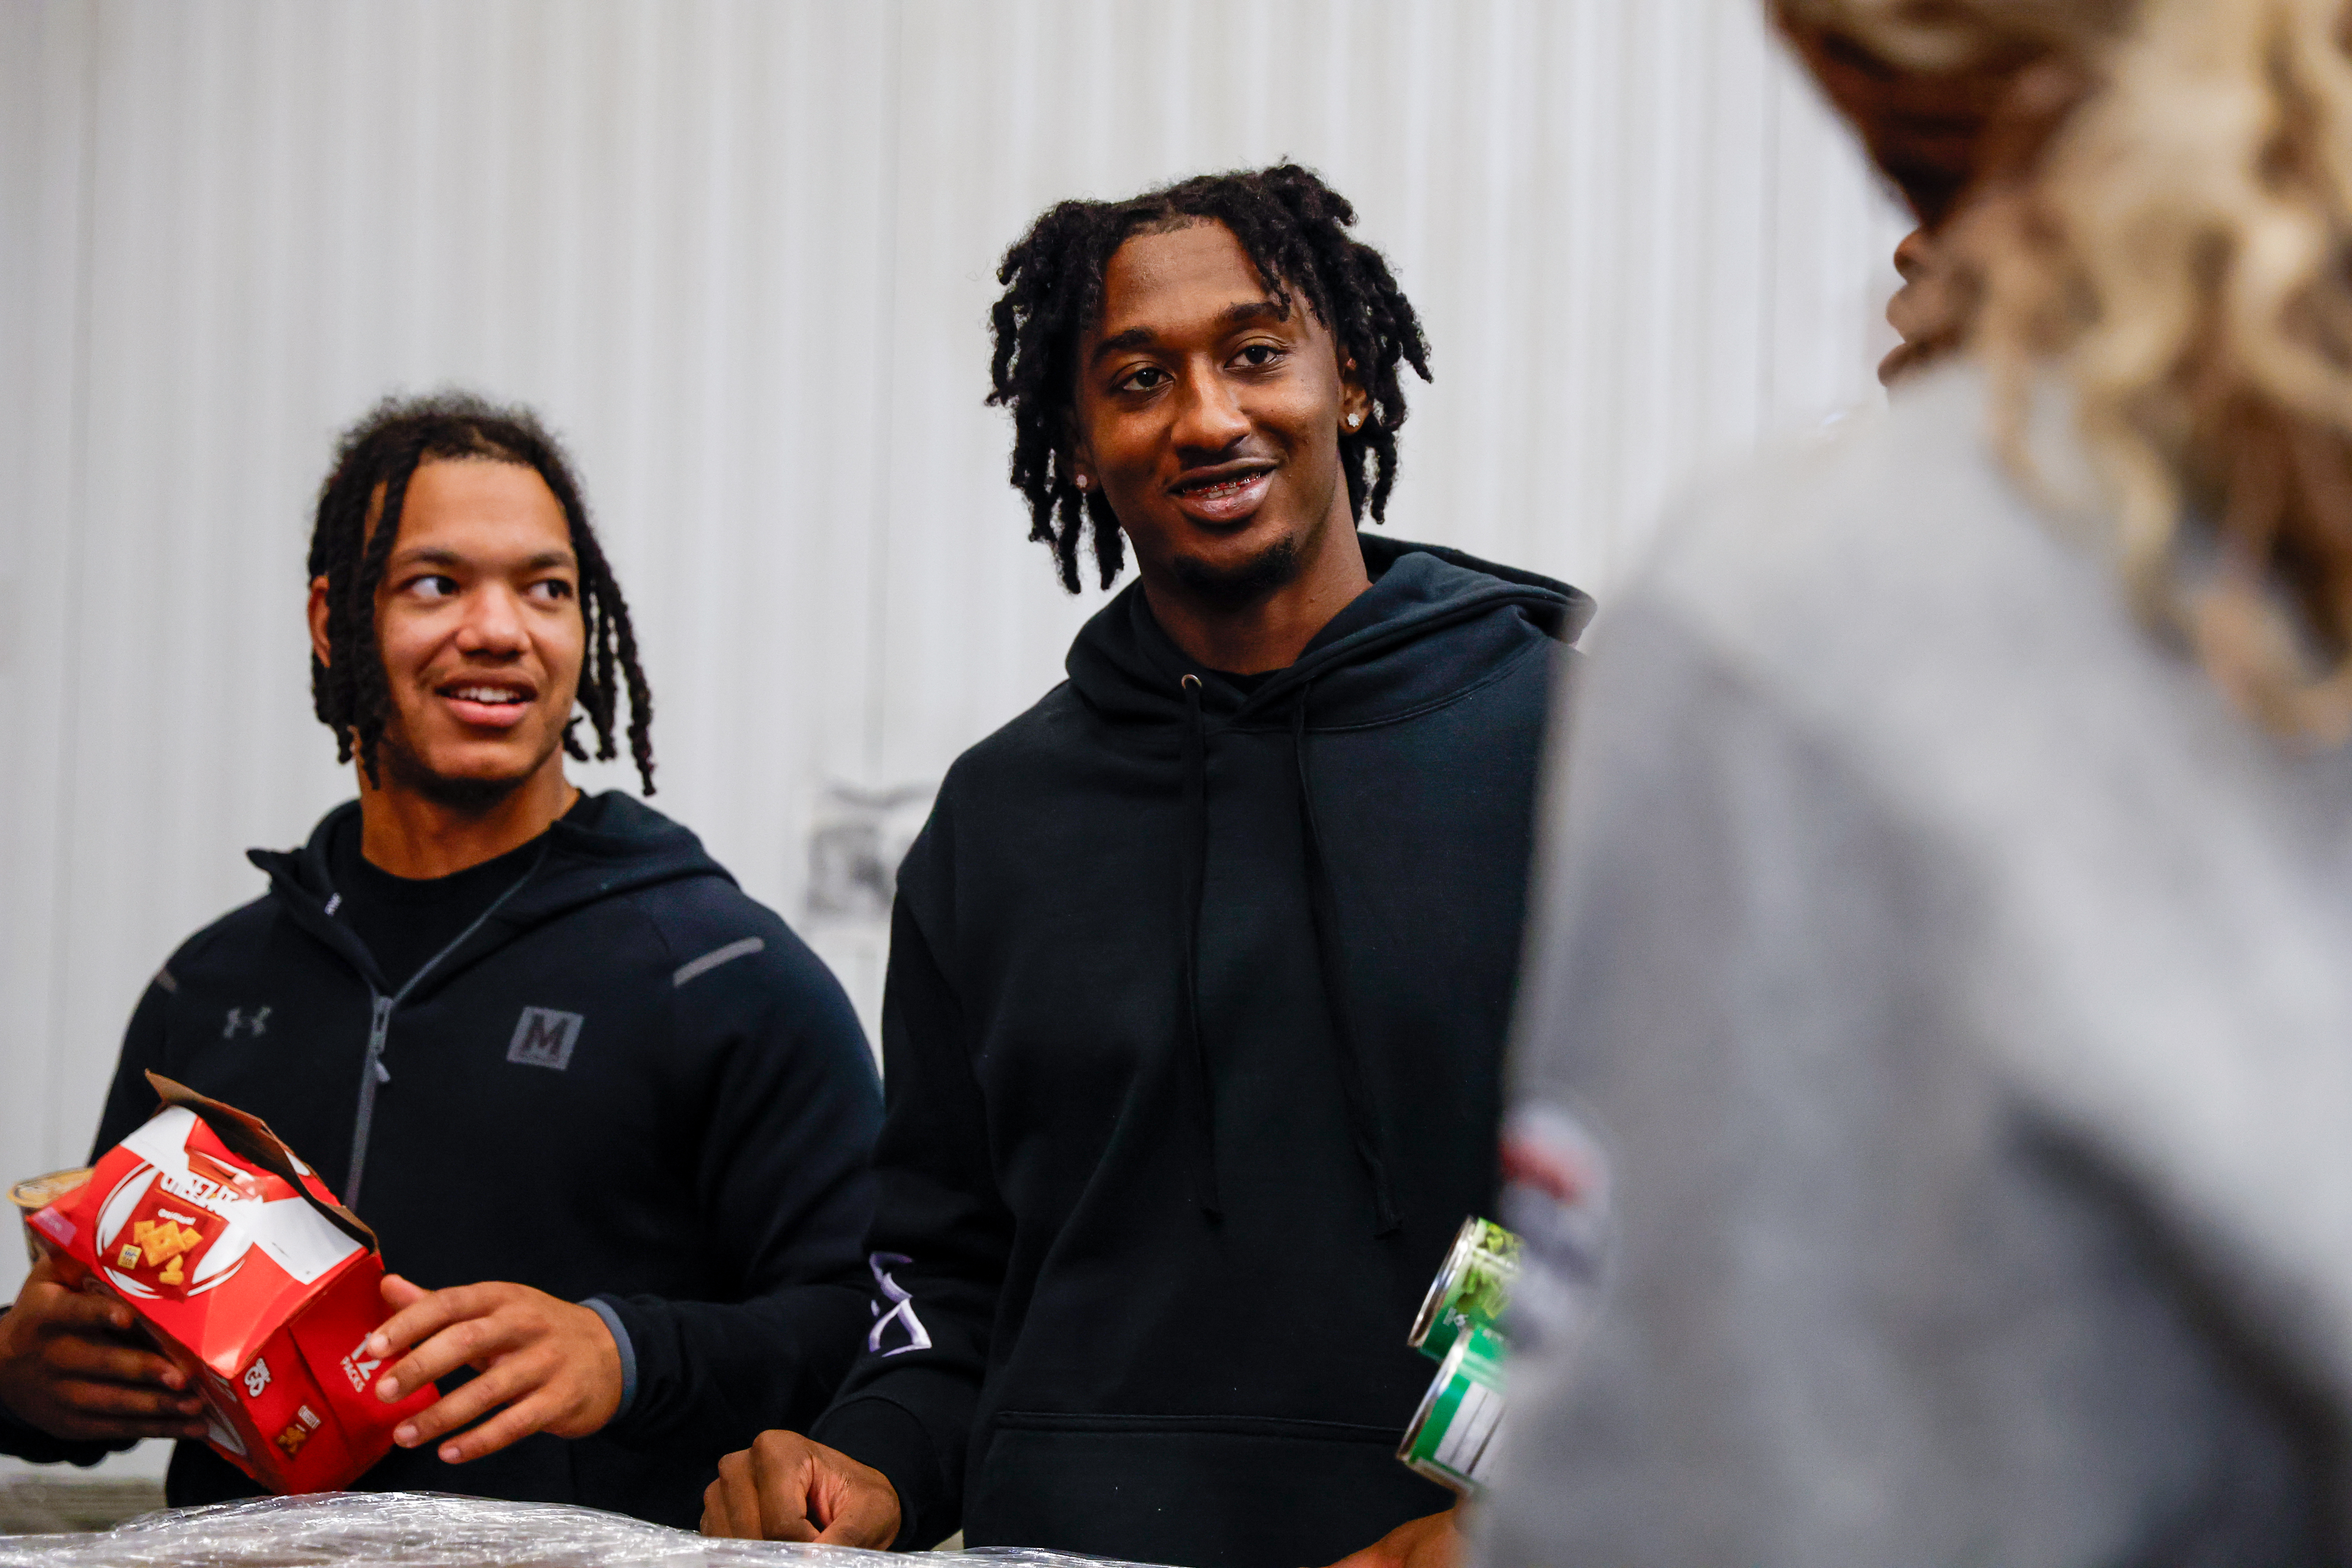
(1237, 587)
(471, 796)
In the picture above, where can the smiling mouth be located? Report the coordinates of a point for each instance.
(1226, 496)
(486, 703)
(1219, 490)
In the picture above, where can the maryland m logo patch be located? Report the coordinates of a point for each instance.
(543, 1037)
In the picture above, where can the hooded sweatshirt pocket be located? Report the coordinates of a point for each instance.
(1215, 1492)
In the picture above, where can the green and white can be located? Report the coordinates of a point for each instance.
(1473, 1287)
(1452, 1438)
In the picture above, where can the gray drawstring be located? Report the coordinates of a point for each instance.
(1363, 1121)
(1195, 874)
(1323, 909)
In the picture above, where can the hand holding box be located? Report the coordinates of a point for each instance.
(241, 1265)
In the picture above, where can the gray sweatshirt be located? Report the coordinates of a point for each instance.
(1962, 994)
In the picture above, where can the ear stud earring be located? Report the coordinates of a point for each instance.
(1354, 420)
(1080, 481)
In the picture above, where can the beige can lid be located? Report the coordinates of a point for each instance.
(40, 1192)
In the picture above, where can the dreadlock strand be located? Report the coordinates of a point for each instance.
(1109, 544)
(641, 700)
(1070, 526)
(598, 685)
(371, 693)
(608, 688)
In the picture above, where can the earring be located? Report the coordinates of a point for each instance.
(1354, 420)
(1080, 481)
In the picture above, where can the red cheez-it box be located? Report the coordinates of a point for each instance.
(245, 1271)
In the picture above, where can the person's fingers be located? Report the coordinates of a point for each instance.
(58, 1307)
(509, 1425)
(399, 1292)
(855, 1505)
(426, 1315)
(117, 1428)
(731, 1505)
(103, 1360)
(1911, 255)
(41, 1279)
(1430, 1542)
(470, 1341)
(782, 1471)
(501, 1385)
(743, 1500)
(863, 1515)
(92, 1398)
(718, 1517)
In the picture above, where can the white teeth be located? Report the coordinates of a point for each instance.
(485, 694)
(1227, 486)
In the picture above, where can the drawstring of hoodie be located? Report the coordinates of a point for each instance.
(1323, 914)
(1196, 864)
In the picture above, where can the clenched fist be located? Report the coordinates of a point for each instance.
(786, 1488)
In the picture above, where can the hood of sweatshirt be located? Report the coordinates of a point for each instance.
(612, 844)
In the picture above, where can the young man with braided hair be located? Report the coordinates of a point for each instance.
(1199, 973)
(611, 1120)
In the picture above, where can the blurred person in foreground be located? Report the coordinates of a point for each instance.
(1200, 971)
(609, 1109)
(1947, 925)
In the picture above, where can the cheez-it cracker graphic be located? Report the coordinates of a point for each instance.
(293, 1438)
(160, 1244)
(239, 1264)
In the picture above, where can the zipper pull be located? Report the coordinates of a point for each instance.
(379, 1028)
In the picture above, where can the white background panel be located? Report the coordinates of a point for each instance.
(740, 253)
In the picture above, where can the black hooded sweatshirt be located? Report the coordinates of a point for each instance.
(1192, 1039)
(628, 1084)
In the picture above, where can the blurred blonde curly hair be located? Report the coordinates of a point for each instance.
(2179, 252)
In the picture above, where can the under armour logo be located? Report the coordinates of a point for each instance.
(256, 1025)
(543, 1037)
(902, 1309)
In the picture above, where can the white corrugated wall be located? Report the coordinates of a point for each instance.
(740, 252)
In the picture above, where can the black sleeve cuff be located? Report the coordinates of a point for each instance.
(886, 1435)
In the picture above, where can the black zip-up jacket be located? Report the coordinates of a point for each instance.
(628, 1085)
(1192, 1040)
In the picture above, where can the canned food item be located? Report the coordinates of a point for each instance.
(35, 1194)
(1472, 1286)
(1452, 1438)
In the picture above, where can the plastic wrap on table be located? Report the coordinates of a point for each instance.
(413, 1529)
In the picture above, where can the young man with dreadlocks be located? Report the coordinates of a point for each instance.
(610, 1117)
(1199, 974)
